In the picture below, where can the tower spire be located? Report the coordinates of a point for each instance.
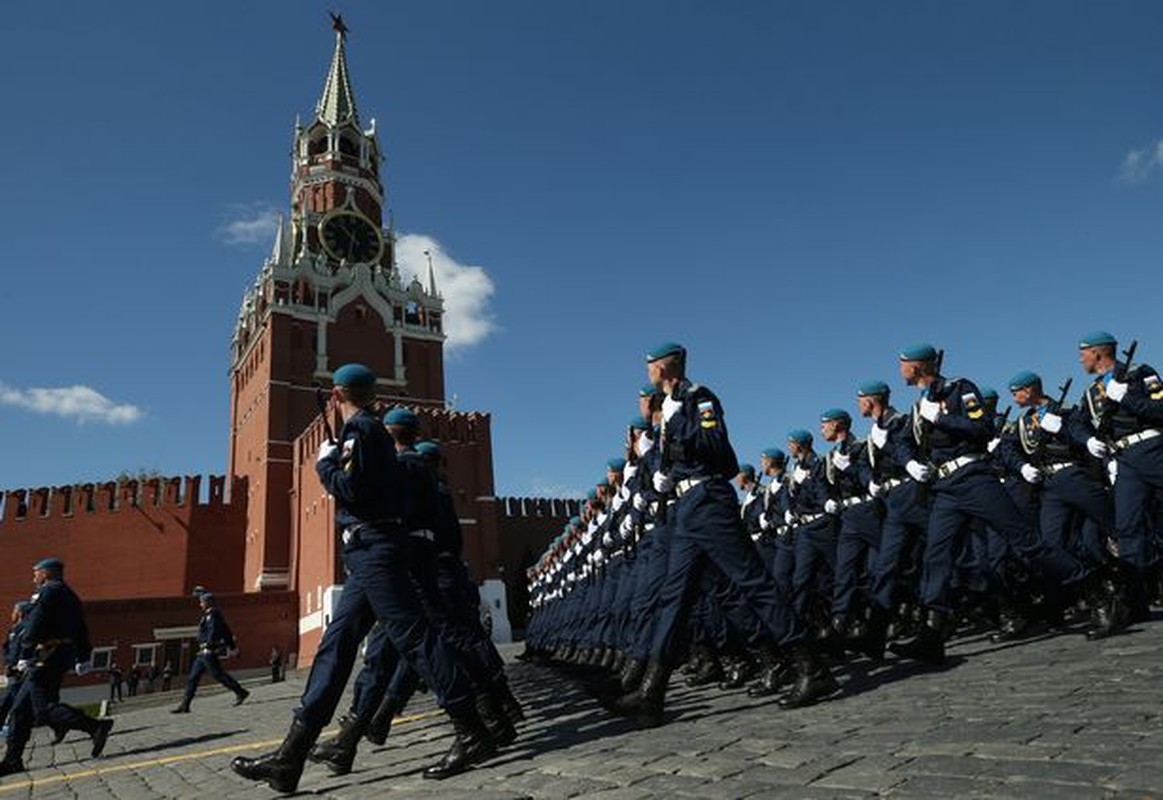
(337, 103)
(431, 274)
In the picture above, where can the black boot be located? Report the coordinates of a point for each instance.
(1109, 611)
(183, 707)
(99, 735)
(929, 644)
(871, 641)
(510, 705)
(471, 746)
(646, 703)
(11, 765)
(59, 734)
(814, 681)
(775, 672)
(632, 674)
(709, 670)
(338, 752)
(282, 768)
(1013, 621)
(381, 722)
(500, 729)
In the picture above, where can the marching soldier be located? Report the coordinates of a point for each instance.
(369, 485)
(215, 640)
(55, 639)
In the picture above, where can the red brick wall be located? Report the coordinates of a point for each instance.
(160, 540)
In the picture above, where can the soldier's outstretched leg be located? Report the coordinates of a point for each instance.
(471, 745)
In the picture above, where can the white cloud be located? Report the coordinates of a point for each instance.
(466, 289)
(1139, 164)
(251, 225)
(72, 402)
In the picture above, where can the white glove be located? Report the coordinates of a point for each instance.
(83, 667)
(993, 443)
(607, 539)
(599, 558)
(921, 473)
(1112, 472)
(799, 475)
(669, 406)
(628, 472)
(1051, 422)
(326, 449)
(662, 483)
(841, 461)
(1030, 473)
(878, 435)
(643, 445)
(930, 409)
(764, 522)
(617, 502)
(1097, 448)
(831, 506)
(627, 526)
(640, 502)
(232, 652)
(22, 665)
(789, 517)
(875, 489)
(1116, 390)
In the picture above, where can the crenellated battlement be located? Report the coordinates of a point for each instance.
(447, 426)
(555, 507)
(111, 497)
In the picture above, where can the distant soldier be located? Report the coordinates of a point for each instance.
(215, 639)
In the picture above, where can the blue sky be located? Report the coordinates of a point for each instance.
(793, 190)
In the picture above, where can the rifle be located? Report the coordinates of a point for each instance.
(321, 401)
(932, 392)
(999, 423)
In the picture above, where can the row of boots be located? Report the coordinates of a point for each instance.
(479, 731)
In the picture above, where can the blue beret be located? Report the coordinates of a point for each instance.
(799, 436)
(988, 393)
(51, 564)
(616, 464)
(640, 424)
(919, 352)
(402, 416)
(575, 520)
(355, 375)
(1023, 379)
(872, 389)
(1095, 339)
(836, 415)
(649, 390)
(775, 454)
(199, 591)
(747, 469)
(664, 350)
(428, 448)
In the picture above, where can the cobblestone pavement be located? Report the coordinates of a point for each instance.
(1054, 716)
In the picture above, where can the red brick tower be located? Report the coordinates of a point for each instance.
(329, 293)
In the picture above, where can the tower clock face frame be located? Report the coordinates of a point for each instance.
(349, 236)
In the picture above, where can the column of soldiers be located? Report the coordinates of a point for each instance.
(407, 586)
(945, 515)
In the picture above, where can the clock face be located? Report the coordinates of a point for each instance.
(350, 237)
